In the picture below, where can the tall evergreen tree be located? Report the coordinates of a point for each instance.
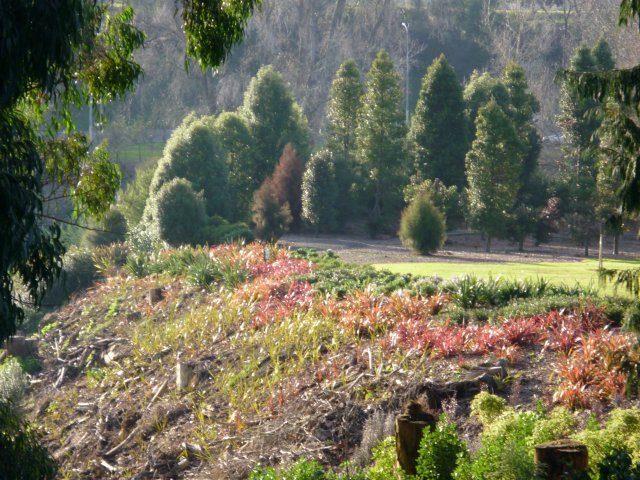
(380, 138)
(602, 56)
(345, 101)
(531, 197)
(481, 89)
(244, 176)
(437, 137)
(274, 119)
(494, 166)
(319, 192)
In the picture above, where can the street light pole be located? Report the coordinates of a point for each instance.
(406, 93)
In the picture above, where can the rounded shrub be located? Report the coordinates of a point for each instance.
(78, 273)
(320, 193)
(271, 218)
(440, 452)
(422, 226)
(632, 318)
(111, 229)
(178, 213)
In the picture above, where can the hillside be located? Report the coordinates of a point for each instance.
(291, 355)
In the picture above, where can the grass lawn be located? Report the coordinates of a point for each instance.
(137, 153)
(583, 272)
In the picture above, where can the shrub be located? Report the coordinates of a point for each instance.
(13, 382)
(378, 426)
(631, 320)
(21, 455)
(177, 213)
(440, 451)
(505, 453)
(559, 423)
(446, 199)
(319, 192)
(194, 153)
(78, 273)
(133, 198)
(111, 229)
(422, 226)
(617, 465)
(270, 217)
(487, 407)
(227, 233)
(384, 462)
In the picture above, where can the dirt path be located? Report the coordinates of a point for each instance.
(460, 247)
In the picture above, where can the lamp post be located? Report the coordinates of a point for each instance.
(406, 93)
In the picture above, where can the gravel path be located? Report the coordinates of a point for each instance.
(460, 247)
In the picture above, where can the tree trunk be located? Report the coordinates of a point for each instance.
(561, 459)
(408, 435)
(521, 245)
(488, 249)
(616, 243)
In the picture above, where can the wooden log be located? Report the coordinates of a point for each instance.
(408, 435)
(561, 459)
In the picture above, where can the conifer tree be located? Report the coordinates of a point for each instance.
(319, 192)
(287, 181)
(345, 100)
(274, 119)
(194, 153)
(437, 137)
(481, 89)
(380, 139)
(494, 165)
(531, 196)
(235, 137)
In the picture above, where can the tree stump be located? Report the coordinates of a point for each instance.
(409, 431)
(557, 459)
(184, 374)
(155, 295)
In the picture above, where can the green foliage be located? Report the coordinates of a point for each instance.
(78, 274)
(244, 175)
(380, 139)
(227, 233)
(212, 28)
(438, 134)
(557, 424)
(13, 382)
(194, 153)
(479, 91)
(133, 198)
(494, 165)
(384, 462)
(319, 192)
(446, 199)
(632, 318)
(111, 229)
(21, 455)
(345, 101)
(274, 119)
(619, 433)
(422, 226)
(505, 453)
(617, 465)
(177, 213)
(440, 451)
(487, 407)
(271, 218)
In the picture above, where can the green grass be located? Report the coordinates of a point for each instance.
(582, 272)
(136, 153)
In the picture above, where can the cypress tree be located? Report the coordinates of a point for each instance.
(380, 139)
(274, 119)
(494, 165)
(319, 192)
(438, 134)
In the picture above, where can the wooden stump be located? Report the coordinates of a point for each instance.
(556, 459)
(155, 295)
(408, 435)
(184, 374)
